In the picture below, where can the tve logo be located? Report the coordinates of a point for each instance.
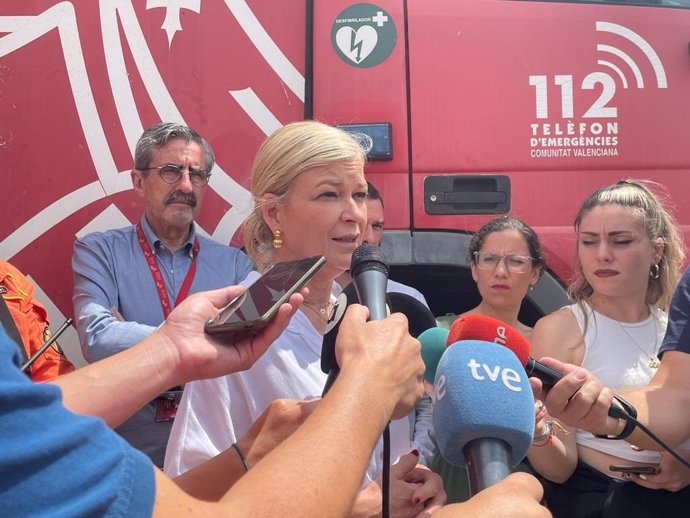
(509, 377)
(467, 363)
(591, 130)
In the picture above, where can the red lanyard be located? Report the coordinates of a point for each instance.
(158, 278)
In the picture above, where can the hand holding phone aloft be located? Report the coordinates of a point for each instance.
(257, 305)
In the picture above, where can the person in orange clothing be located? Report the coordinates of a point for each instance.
(31, 321)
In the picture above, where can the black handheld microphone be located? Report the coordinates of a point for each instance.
(369, 271)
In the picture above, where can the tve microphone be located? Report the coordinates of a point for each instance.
(481, 327)
(433, 346)
(369, 271)
(329, 363)
(483, 411)
(419, 317)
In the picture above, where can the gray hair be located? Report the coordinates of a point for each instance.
(158, 135)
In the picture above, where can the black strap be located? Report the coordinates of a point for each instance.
(630, 420)
(11, 329)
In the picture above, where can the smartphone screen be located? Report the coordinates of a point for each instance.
(649, 470)
(255, 307)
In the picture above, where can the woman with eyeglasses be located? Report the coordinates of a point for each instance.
(629, 253)
(506, 260)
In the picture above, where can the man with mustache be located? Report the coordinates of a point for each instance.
(127, 280)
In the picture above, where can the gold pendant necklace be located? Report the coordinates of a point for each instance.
(319, 309)
(653, 360)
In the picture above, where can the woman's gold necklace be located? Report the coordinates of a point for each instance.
(653, 360)
(320, 309)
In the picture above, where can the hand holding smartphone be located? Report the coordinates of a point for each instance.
(637, 470)
(250, 311)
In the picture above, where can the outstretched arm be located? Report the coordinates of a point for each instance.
(115, 387)
(580, 400)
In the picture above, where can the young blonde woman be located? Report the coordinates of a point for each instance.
(629, 253)
(309, 190)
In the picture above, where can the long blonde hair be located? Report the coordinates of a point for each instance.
(283, 156)
(658, 223)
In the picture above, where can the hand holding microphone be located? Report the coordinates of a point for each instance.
(369, 271)
(481, 327)
(385, 354)
(377, 345)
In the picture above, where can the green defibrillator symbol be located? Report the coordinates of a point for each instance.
(363, 35)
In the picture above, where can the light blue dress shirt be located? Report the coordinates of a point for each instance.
(110, 270)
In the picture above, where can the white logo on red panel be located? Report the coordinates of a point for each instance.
(591, 131)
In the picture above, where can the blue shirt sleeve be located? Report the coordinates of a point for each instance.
(678, 330)
(57, 463)
(110, 271)
(101, 334)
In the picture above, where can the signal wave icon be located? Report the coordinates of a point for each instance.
(641, 44)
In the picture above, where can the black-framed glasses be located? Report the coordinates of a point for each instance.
(514, 262)
(172, 173)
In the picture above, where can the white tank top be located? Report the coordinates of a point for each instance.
(619, 353)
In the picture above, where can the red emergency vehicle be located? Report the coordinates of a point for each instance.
(475, 108)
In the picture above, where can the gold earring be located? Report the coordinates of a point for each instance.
(277, 238)
(655, 271)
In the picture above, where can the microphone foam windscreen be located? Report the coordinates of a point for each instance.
(419, 317)
(488, 329)
(480, 391)
(433, 346)
(347, 297)
(368, 257)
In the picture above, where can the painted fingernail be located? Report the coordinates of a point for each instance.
(415, 453)
(415, 501)
(642, 476)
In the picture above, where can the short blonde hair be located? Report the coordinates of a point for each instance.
(640, 196)
(284, 155)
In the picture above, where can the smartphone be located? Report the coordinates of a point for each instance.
(257, 304)
(647, 470)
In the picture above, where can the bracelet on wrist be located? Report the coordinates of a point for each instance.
(239, 453)
(545, 435)
(629, 423)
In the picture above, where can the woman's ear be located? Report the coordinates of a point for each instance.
(473, 269)
(270, 210)
(536, 273)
